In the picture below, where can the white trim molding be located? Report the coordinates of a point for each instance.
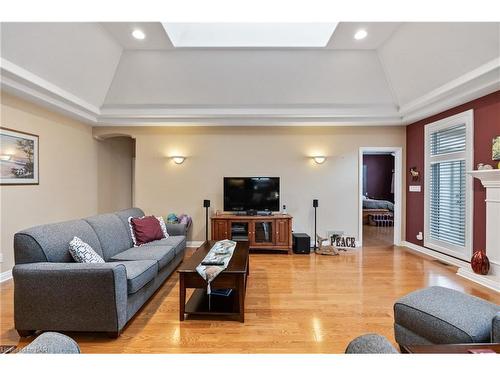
(472, 85)
(489, 281)
(436, 255)
(27, 85)
(209, 115)
(4, 276)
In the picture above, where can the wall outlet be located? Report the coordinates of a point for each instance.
(420, 236)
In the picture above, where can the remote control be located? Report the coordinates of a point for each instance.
(208, 263)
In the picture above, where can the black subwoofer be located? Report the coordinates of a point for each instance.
(301, 243)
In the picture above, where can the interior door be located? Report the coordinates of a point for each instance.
(263, 232)
(282, 232)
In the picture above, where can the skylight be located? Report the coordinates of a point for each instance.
(249, 34)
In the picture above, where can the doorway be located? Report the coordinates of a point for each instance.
(380, 196)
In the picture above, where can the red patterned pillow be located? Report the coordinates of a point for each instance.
(146, 229)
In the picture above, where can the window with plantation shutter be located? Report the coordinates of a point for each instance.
(448, 188)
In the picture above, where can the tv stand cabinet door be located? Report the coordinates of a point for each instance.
(262, 233)
(282, 232)
(220, 230)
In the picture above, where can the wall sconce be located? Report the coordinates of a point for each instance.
(5, 157)
(319, 159)
(178, 159)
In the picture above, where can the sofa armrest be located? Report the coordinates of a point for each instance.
(495, 328)
(177, 229)
(70, 296)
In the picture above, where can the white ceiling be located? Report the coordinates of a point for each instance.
(400, 73)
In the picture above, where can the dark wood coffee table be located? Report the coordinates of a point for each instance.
(449, 348)
(233, 277)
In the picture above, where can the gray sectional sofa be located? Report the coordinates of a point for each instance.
(54, 293)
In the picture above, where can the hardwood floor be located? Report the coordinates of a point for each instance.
(377, 236)
(294, 304)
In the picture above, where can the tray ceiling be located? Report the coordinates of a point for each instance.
(399, 73)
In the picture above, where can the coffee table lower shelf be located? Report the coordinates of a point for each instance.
(198, 304)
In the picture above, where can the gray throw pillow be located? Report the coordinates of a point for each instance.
(82, 252)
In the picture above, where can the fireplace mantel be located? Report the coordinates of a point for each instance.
(490, 178)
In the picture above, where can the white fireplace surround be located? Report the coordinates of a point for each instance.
(491, 181)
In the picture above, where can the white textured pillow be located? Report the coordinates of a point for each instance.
(82, 252)
(163, 226)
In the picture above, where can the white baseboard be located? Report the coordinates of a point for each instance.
(194, 243)
(4, 276)
(488, 281)
(434, 254)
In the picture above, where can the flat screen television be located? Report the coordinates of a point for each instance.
(251, 193)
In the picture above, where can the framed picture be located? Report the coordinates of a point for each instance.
(496, 148)
(18, 158)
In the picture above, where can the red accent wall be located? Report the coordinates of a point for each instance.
(486, 126)
(379, 176)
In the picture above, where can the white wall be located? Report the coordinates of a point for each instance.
(67, 171)
(79, 176)
(162, 187)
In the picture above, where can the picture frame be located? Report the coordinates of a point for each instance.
(495, 148)
(19, 157)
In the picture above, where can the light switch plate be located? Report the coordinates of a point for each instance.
(415, 188)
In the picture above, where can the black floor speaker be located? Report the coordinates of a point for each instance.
(301, 243)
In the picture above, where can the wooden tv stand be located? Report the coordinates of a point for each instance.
(272, 232)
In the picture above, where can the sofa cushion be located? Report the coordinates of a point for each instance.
(139, 273)
(111, 233)
(49, 243)
(123, 215)
(161, 254)
(445, 316)
(177, 242)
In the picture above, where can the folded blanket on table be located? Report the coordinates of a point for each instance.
(221, 252)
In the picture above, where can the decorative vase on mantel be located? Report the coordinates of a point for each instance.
(480, 263)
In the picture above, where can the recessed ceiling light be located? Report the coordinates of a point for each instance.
(138, 34)
(360, 34)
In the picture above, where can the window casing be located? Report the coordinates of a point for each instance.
(448, 187)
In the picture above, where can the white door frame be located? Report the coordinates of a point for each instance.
(398, 189)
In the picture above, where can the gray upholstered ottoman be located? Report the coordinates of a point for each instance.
(370, 344)
(52, 343)
(438, 315)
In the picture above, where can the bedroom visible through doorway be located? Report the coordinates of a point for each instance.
(378, 198)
